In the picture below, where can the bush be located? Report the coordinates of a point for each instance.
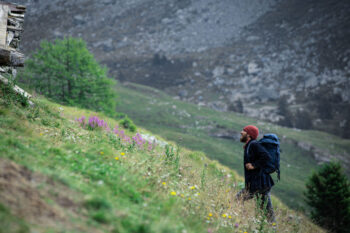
(328, 194)
(128, 124)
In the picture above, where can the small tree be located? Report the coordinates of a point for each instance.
(67, 72)
(328, 194)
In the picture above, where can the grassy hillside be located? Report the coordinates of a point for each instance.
(198, 128)
(58, 174)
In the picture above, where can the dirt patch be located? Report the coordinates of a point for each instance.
(38, 199)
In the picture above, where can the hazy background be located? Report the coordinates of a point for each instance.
(287, 62)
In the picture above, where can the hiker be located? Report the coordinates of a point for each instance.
(257, 182)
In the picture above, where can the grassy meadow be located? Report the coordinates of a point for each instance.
(192, 127)
(61, 173)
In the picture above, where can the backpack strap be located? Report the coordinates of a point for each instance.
(249, 146)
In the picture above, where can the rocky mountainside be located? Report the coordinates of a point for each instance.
(287, 61)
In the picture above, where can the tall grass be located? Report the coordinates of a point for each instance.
(124, 185)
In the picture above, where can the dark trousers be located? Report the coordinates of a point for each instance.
(263, 197)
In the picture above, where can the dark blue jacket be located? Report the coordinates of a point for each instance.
(256, 179)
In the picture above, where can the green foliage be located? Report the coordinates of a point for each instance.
(328, 193)
(67, 72)
(169, 153)
(8, 96)
(101, 217)
(127, 123)
(203, 181)
(97, 204)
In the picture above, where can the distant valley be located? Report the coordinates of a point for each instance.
(284, 61)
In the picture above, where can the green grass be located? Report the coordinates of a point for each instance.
(76, 160)
(190, 126)
(10, 223)
(144, 190)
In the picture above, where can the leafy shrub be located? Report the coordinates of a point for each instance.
(127, 123)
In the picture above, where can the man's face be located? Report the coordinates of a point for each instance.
(244, 136)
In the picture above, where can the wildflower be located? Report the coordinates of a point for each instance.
(116, 158)
(192, 187)
(274, 224)
(227, 190)
(182, 195)
(208, 218)
(224, 215)
(41, 134)
(173, 193)
(102, 153)
(210, 214)
(164, 183)
(189, 199)
(122, 153)
(245, 232)
(236, 225)
(197, 194)
(229, 216)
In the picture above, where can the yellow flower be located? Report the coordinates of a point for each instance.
(245, 232)
(229, 216)
(122, 153)
(208, 218)
(274, 224)
(210, 214)
(102, 153)
(173, 193)
(192, 187)
(224, 215)
(41, 134)
(116, 158)
(227, 190)
(182, 195)
(189, 199)
(164, 183)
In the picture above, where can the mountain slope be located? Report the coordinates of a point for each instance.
(57, 174)
(231, 56)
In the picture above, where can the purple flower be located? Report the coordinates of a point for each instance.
(81, 121)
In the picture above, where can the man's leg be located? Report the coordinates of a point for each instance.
(266, 200)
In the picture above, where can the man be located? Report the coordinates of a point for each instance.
(257, 182)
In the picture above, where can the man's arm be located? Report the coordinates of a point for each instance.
(260, 156)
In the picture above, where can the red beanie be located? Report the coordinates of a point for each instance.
(252, 130)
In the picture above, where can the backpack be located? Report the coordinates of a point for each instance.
(272, 145)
